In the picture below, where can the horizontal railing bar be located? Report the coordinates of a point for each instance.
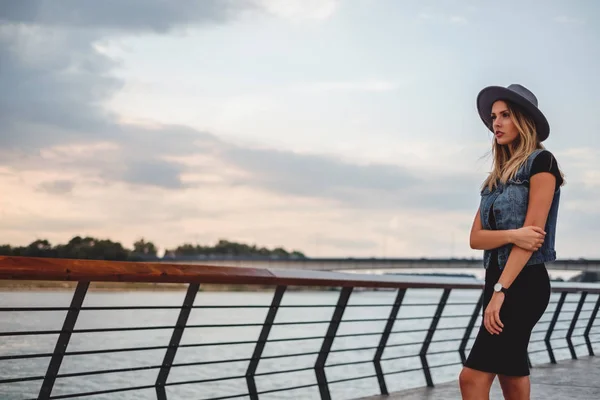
(131, 349)
(401, 357)
(445, 365)
(403, 344)
(358, 334)
(354, 378)
(61, 269)
(211, 380)
(421, 342)
(85, 373)
(363, 320)
(310, 353)
(538, 350)
(160, 327)
(295, 339)
(106, 391)
(367, 305)
(22, 379)
(29, 333)
(417, 355)
(98, 372)
(431, 353)
(212, 362)
(404, 370)
(233, 306)
(90, 330)
(233, 396)
(117, 308)
(445, 340)
(426, 330)
(107, 371)
(25, 356)
(285, 371)
(353, 349)
(286, 389)
(420, 368)
(462, 328)
(349, 363)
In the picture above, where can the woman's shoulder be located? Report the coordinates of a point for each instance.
(541, 153)
(545, 161)
(542, 157)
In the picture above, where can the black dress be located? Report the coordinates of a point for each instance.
(524, 304)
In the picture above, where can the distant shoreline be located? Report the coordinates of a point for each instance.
(25, 285)
(34, 286)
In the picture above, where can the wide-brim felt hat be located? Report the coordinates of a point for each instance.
(517, 94)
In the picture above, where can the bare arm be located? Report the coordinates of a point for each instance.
(541, 193)
(485, 239)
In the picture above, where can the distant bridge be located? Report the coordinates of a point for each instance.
(366, 264)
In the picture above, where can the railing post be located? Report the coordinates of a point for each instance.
(261, 342)
(63, 340)
(338, 313)
(467, 335)
(184, 313)
(561, 301)
(384, 338)
(588, 329)
(573, 323)
(430, 333)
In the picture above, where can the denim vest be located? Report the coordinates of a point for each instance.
(510, 202)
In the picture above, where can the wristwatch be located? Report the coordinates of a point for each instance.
(498, 288)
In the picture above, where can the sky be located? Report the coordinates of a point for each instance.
(339, 128)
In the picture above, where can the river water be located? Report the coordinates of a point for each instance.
(352, 389)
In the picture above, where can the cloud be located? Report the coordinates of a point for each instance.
(63, 80)
(132, 15)
(300, 9)
(56, 80)
(366, 186)
(60, 186)
(53, 84)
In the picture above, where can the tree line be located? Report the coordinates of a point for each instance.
(142, 250)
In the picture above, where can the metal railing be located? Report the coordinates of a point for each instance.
(388, 330)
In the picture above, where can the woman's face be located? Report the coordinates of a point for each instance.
(505, 130)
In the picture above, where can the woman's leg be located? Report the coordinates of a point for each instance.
(515, 387)
(474, 384)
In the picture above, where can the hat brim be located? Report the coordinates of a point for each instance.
(489, 95)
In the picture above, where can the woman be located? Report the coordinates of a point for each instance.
(515, 226)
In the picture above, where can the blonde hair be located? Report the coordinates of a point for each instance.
(507, 161)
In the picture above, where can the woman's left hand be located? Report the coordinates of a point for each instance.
(491, 317)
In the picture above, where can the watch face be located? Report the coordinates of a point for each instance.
(497, 287)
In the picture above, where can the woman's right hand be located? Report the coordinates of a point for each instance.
(529, 237)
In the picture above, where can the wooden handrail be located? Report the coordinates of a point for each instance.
(57, 269)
